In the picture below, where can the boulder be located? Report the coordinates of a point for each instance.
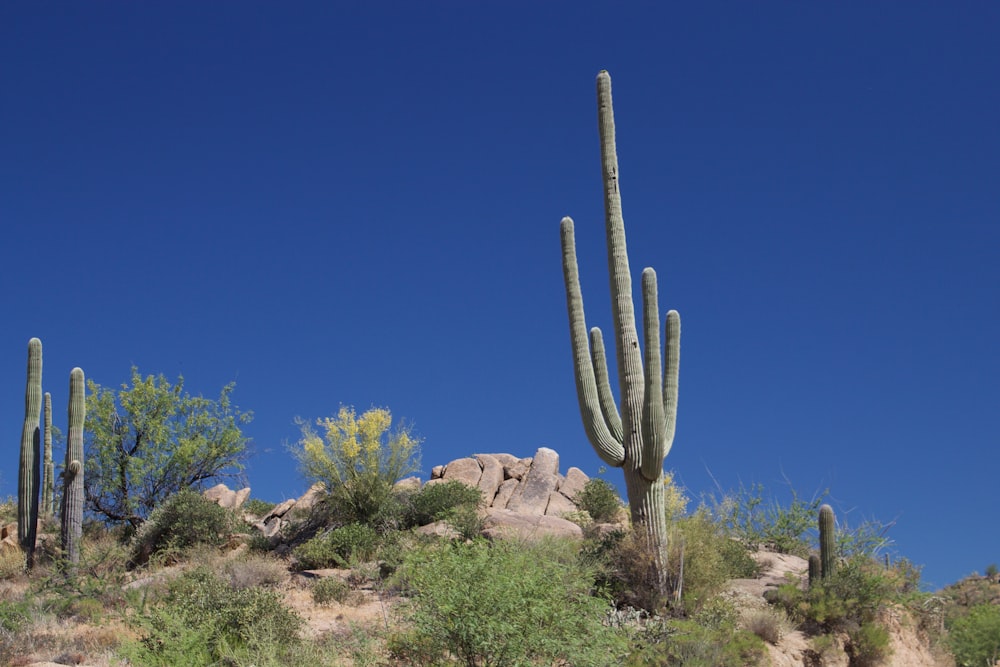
(306, 502)
(507, 524)
(506, 460)
(573, 483)
(281, 509)
(226, 498)
(408, 484)
(518, 469)
(491, 478)
(504, 493)
(439, 528)
(532, 496)
(466, 471)
(559, 505)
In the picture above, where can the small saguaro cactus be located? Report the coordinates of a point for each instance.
(827, 541)
(27, 481)
(72, 505)
(815, 570)
(48, 484)
(640, 437)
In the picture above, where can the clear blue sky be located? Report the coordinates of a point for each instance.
(358, 203)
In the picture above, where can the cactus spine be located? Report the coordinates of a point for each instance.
(48, 484)
(640, 437)
(27, 482)
(827, 541)
(72, 505)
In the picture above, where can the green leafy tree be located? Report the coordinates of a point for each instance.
(975, 638)
(150, 439)
(358, 459)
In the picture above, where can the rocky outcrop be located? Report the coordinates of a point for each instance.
(531, 486)
(522, 497)
(227, 498)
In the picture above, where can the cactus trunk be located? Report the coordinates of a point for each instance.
(827, 541)
(48, 484)
(27, 482)
(640, 437)
(72, 506)
(815, 570)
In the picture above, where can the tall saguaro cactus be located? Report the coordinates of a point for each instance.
(639, 438)
(48, 484)
(72, 505)
(27, 481)
(827, 541)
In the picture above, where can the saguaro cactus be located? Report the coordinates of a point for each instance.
(815, 570)
(640, 437)
(72, 505)
(27, 481)
(48, 484)
(827, 541)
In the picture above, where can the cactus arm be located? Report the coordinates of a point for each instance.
(72, 508)
(671, 373)
(608, 448)
(604, 395)
(48, 485)
(630, 374)
(654, 425)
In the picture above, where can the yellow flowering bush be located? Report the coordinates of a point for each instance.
(358, 458)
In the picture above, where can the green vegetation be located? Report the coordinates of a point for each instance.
(202, 620)
(358, 459)
(600, 500)
(149, 440)
(439, 502)
(184, 520)
(618, 597)
(974, 638)
(339, 547)
(760, 521)
(331, 589)
(474, 582)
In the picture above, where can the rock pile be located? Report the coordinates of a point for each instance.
(522, 497)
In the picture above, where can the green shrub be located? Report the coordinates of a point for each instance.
(14, 616)
(467, 522)
(337, 548)
(600, 500)
(761, 521)
(518, 604)
(698, 551)
(330, 589)
(975, 638)
(695, 643)
(359, 459)
(868, 645)
(437, 502)
(850, 600)
(184, 520)
(202, 618)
